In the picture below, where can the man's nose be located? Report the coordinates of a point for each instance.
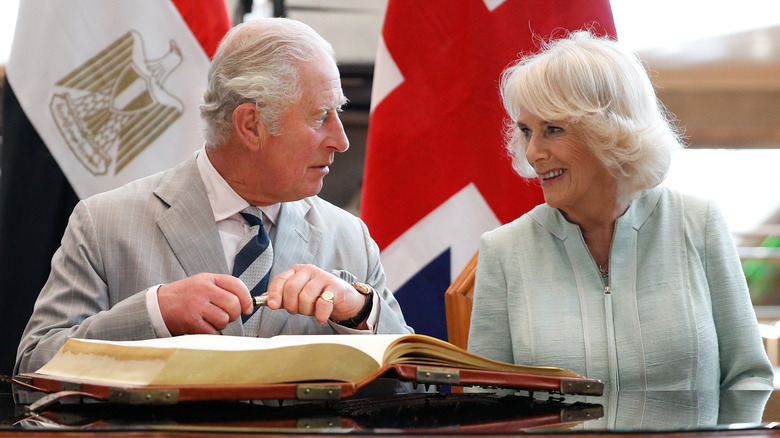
(338, 138)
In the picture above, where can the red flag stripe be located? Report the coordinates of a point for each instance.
(207, 19)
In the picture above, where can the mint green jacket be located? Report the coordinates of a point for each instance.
(677, 314)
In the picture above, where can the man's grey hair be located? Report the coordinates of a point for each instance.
(257, 62)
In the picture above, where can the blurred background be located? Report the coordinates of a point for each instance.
(716, 67)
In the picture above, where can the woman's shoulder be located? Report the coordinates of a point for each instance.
(670, 208)
(523, 224)
(685, 203)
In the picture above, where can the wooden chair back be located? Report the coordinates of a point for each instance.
(457, 305)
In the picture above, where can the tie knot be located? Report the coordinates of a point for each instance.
(253, 215)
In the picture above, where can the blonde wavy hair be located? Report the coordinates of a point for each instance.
(605, 90)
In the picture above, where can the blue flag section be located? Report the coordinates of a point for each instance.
(420, 297)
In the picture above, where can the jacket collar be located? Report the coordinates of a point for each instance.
(636, 215)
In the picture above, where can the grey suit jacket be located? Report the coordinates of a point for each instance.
(160, 229)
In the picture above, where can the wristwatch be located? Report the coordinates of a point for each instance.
(361, 316)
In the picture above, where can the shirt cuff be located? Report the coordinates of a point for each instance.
(153, 307)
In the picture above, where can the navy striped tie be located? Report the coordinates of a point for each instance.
(253, 260)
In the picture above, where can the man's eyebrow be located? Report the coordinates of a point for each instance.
(336, 105)
(342, 101)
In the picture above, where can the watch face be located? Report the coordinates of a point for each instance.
(363, 288)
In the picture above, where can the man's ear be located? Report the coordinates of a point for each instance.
(247, 125)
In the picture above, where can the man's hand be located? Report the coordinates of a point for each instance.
(299, 289)
(203, 303)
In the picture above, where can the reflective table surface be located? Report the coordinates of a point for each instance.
(727, 413)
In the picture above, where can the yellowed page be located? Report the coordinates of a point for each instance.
(424, 349)
(207, 359)
(215, 359)
(373, 345)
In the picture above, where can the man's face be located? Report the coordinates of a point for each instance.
(293, 164)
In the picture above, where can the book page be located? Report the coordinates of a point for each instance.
(237, 360)
(373, 345)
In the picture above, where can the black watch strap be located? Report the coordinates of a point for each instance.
(364, 312)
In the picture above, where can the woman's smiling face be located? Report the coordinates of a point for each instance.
(571, 176)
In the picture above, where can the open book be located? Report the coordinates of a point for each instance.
(209, 360)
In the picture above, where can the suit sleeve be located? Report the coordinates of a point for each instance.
(391, 319)
(75, 301)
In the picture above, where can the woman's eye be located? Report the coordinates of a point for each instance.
(554, 129)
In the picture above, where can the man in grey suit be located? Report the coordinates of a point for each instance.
(153, 258)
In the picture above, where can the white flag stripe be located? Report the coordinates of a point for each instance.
(493, 4)
(456, 224)
(387, 76)
(56, 38)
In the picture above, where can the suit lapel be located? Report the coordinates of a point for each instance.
(188, 224)
(296, 238)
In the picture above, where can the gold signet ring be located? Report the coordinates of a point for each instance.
(327, 296)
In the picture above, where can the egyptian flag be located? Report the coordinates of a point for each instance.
(437, 175)
(97, 93)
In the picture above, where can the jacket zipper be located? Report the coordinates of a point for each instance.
(611, 342)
